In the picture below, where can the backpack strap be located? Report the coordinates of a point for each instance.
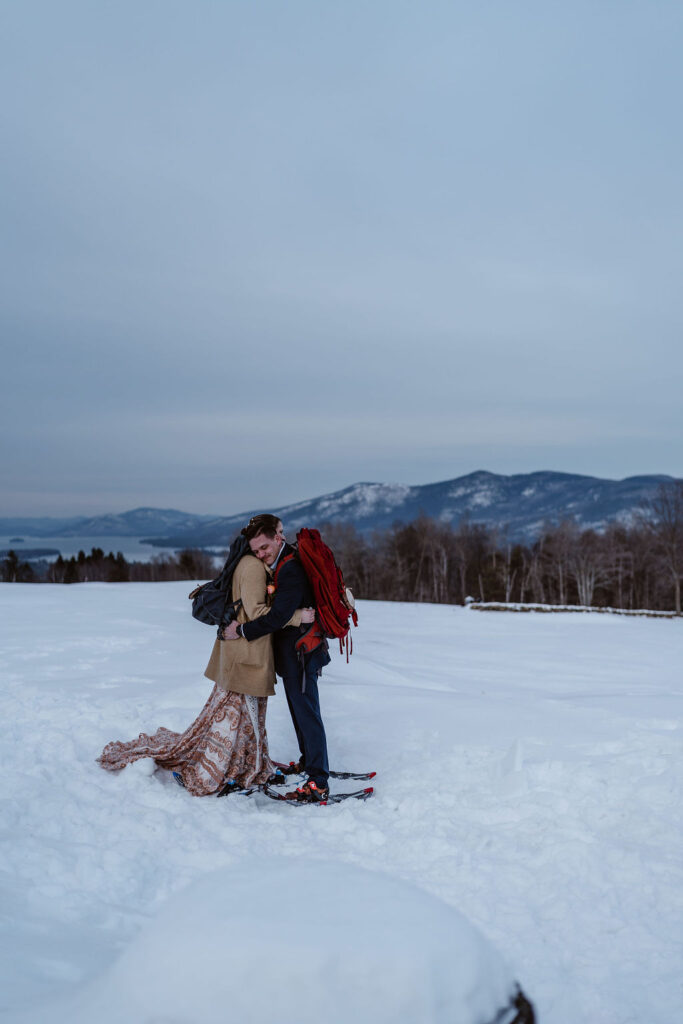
(283, 561)
(310, 641)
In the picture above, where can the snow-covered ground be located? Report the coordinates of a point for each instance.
(530, 776)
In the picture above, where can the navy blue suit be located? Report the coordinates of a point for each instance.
(300, 677)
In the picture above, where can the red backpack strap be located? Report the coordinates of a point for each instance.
(283, 561)
(310, 640)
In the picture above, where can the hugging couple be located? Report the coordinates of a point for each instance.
(227, 746)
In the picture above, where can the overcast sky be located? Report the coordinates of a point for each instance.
(252, 252)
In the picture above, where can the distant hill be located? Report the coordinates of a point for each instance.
(156, 521)
(523, 503)
(43, 526)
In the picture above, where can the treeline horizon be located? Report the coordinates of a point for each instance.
(630, 567)
(190, 564)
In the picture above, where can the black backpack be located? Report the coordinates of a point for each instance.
(212, 602)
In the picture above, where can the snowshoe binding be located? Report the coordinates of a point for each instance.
(309, 793)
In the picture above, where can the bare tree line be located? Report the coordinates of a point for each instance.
(632, 567)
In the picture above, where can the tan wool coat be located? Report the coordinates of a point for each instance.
(240, 665)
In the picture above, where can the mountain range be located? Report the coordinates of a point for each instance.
(523, 503)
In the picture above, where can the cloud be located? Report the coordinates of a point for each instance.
(433, 244)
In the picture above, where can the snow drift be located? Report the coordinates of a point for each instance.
(294, 941)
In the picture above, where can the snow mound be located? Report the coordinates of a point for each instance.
(291, 942)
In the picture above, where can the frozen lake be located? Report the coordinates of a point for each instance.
(132, 548)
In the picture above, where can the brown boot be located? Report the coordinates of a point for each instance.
(309, 793)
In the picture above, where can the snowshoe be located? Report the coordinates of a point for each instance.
(309, 793)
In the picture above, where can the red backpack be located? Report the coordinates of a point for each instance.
(333, 602)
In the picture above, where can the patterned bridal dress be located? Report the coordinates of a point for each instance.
(227, 741)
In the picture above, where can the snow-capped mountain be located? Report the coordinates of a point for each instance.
(523, 503)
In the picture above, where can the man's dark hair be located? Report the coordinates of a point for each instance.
(263, 523)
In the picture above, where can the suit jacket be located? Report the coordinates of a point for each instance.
(238, 665)
(293, 592)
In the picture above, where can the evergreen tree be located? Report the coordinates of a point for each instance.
(71, 574)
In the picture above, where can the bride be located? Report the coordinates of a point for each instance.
(227, 742)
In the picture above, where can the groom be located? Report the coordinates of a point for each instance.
(299, 672)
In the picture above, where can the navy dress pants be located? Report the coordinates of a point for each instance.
(304, 708)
